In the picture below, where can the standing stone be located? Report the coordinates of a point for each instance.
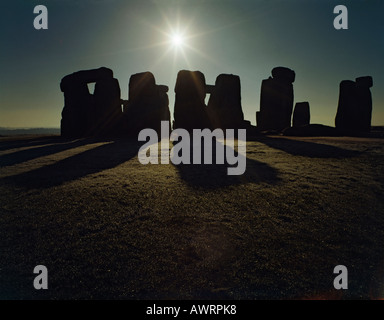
(354, 111)
(347, 110)
(147, 106)
(83, 113)
(276, 100)
(141, 85)
(85, 76)
(301, 114)
(190, 109)
(283, 74)
(364, 98)
(209, 89)
(224, 105)
(259, 121)
(77, 114)
(108, 111)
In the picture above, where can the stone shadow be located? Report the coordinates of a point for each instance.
(306, 148)
(22, 142)
(50, 146)
(95, 160)
(214, 176)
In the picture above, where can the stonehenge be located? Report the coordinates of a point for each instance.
(103, 112)
(276, 100)
(354, 111)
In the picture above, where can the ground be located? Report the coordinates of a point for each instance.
(108, 227)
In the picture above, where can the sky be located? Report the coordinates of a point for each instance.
(245, 38)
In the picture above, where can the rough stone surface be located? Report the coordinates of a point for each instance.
(85, 76)
(224, 105)
(147, 106)
(283, 74)
(354, 111)
(77, 114)
(276, 100)
(108, 110)
(86, 114)
(364, 100)
(142, 85)
(190, 110)
(366, 81)
(301, 114)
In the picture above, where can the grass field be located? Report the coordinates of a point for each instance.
(108, 227)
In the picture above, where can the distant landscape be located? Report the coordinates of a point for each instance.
(20, 131)
(376, 131)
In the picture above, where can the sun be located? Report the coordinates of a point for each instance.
(177, 40)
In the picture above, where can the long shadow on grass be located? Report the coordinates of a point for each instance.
(214, 176)
(106, 156)
(306, 149)
(28, 141)
(54, 146)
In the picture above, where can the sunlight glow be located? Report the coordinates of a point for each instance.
(177, 40)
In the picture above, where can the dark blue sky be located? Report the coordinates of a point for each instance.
(247, 38)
